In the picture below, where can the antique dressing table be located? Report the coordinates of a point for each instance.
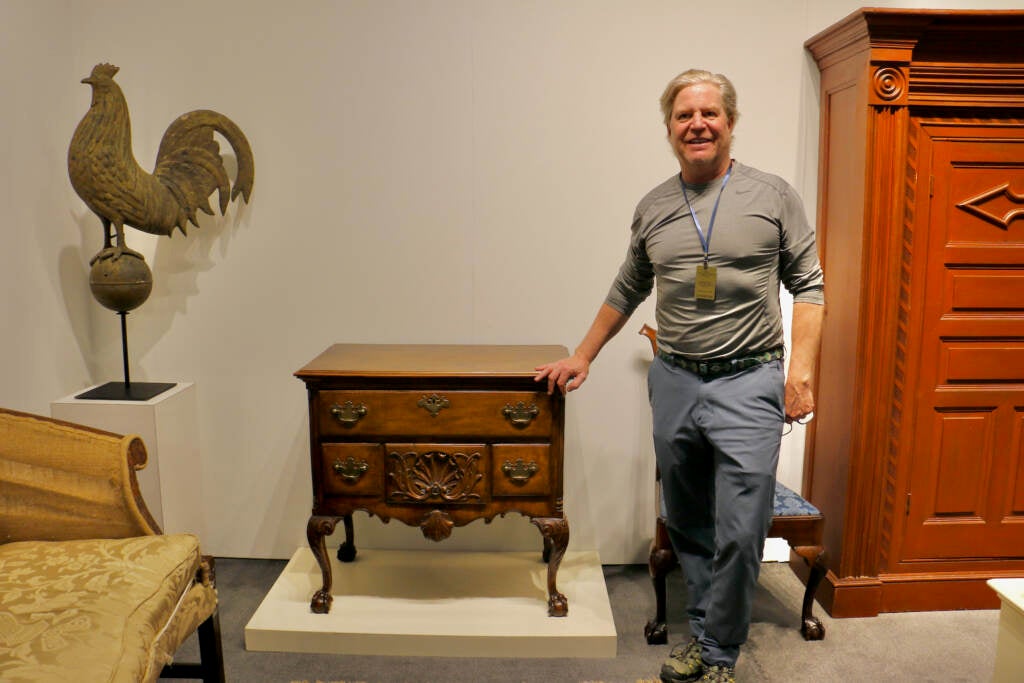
(436, 436)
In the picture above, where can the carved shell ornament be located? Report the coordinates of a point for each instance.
(434, 476)
(437, 525)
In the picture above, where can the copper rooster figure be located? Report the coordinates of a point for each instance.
(188, 169)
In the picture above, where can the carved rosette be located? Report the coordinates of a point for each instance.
(434, 477)
(889, 85)
(437, 525)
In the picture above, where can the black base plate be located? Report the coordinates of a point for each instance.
(119, 391)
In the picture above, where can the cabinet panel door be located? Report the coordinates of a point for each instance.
(966, 478)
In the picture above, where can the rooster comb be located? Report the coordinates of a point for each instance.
(104, 69)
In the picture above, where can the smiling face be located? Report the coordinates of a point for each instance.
(700, 132)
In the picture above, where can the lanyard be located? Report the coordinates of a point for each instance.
(705, 240)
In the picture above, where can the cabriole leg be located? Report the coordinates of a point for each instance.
(316, 529)
(556, 536)
(347, 550)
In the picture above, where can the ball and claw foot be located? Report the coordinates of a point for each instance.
(346, 552)
(812, 629)
(321, 603)
(558, 606)
(656, 633)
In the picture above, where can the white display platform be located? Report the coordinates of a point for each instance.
(438, 603)
(169, 425)
(1010, 642)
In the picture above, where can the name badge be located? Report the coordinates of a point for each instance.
(704, 285)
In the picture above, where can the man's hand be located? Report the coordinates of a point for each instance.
(799, 399)
(807, 320)
(566, 374)
(569, 373)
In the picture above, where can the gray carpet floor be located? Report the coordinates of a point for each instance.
(925, 646)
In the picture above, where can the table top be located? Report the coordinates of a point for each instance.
(430, 360)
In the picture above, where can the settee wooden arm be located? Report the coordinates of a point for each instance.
(74, 526)
(61, 481)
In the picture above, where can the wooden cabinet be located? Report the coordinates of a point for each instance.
(434, 436)
(916, 457)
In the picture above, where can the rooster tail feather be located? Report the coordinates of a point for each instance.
(189, 162)
(192, 174)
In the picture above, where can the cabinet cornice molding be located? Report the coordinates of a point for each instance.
(917, 57)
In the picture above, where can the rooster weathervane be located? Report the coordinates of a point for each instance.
(109, 180)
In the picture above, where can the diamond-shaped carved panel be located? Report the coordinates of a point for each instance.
(999, 205)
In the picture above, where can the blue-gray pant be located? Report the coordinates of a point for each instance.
(717, 445)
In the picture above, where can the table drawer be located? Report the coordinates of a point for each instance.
(353, 469)
(433, 474)
(423, 413)
(520, 470)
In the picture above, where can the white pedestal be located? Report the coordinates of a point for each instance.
(1010, 643)
(169, 426)
(437, 603)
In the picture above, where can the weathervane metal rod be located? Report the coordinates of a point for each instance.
(124, 349)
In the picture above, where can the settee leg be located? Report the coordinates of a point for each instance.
(211, 655)
(210, 668)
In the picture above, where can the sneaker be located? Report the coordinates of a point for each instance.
(719, 674)
(683, 663)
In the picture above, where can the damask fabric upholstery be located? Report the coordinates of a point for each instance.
(98, 610)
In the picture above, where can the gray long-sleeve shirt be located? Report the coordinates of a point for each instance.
(760, 238)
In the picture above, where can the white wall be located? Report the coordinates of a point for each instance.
(458, 171)
(44, 304)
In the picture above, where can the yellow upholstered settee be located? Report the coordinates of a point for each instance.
(90, 589)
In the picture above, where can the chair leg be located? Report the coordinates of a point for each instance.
(811, 627)
(660, 563)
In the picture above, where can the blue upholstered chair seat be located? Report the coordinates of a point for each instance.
(788, 503)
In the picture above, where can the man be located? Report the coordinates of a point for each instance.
(717, 239)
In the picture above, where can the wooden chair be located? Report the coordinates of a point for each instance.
(794, 519)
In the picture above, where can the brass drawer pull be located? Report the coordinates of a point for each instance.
(520, 415)
(433, 404)
(350, 469)
(348, 413)
(519, 471)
